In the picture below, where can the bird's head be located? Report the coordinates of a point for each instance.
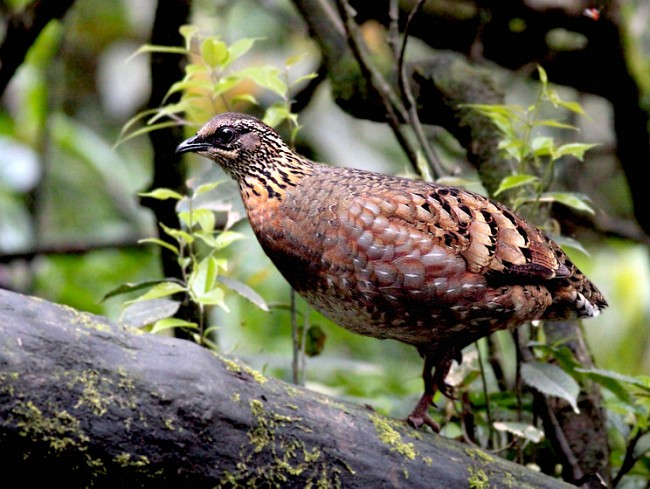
(238, 142)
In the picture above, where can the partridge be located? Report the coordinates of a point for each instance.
(432, 266)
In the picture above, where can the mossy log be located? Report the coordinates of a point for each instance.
(87, 402)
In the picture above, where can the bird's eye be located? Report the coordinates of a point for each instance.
(225, 134)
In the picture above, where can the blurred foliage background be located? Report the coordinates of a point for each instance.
(70, 218)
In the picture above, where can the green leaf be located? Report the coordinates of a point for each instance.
(276, 114)
(224, 84)
(132, 287)
(571, 106)
(570, 199)
(162, 194)
(554, 123)
(543, 77)
(598, 375)
(522, 430)
(240, 47)
(567, 242)
(146, 130)
(245, 97)
(551, 380)
(150, 48)
(642, 447)
(226, 238)
(207, 237)
(188, 32)
(164, 289)
(170, 323)
(213, 298)
(314, 341)
(206, 187)
(144, 313)
(245, 291)
(177, 234)
(160, 242)
(214, 52)
(513, 181)
(577, 150)
(542, 146)
(268, 77)
(203, 217)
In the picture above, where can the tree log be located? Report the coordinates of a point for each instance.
(89, 402)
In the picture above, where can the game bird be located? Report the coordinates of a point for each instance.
(433, 266)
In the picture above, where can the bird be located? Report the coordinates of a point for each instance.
(433, 266)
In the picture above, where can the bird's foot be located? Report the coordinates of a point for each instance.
(419, 416)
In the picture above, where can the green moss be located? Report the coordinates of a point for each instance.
(391, 437)
(128, 460)
(273, 459)
(60, 429)
(88, 321)
(477, 454)
(93, 391)
(233, 366)
(478, 479)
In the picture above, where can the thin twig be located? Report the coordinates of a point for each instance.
(488, 411)
(393, 27)
(389, 100)
(435, 167)
(630, 459)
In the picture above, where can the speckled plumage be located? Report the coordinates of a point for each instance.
(433, 266)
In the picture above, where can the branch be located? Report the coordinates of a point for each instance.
(88, 402)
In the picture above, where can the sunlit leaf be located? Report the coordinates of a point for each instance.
(570, 199)
(214, 297)
(132, 287)
(555, 123)
(146, 130)
(178, 234)
(522, 430)
(551, 380)
(514, 181)
(214, 52)
(206, 187)
(162, 194)
(577, 150)
(170, 323)
(203, 217)
(226, 238)
(572, 106)
(164, 289)
(160, 242)
(150, 48)
(268, 77)
(188, 32)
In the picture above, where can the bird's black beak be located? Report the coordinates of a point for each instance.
(191, 145)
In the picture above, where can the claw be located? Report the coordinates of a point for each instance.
(419, 416)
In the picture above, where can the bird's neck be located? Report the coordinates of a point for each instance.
(271, 179)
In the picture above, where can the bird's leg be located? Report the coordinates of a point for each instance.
(432, 384)
(419, 415)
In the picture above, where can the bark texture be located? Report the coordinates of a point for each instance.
(86, 401)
